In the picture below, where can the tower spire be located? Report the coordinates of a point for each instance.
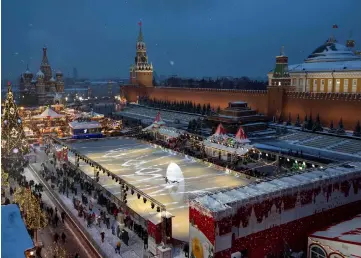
(282, 53)
(140, 36)
(45, 57)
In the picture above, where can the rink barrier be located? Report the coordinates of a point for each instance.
(70, 217)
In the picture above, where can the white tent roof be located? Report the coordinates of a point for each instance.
(48, 113)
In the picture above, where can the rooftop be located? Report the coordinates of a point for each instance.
(243, 193)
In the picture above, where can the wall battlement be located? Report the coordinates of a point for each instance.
(261, 92)
(324, 96)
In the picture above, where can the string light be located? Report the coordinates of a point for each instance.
(35, 218)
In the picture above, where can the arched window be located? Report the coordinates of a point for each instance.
(317, 252)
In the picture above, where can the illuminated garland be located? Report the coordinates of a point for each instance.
(56, 251)
(35, 218)
(4, 179)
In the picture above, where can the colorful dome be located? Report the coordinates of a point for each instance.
(332, 51)
(40, 74)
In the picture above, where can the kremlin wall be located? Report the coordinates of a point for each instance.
(328, 83)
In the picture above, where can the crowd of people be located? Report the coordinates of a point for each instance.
(91, 203)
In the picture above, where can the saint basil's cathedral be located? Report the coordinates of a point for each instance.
(43, 85)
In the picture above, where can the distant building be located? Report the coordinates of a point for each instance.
(43, 85)
(332, 67)
(75, 73)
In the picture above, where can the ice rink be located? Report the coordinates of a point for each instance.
(145, 166)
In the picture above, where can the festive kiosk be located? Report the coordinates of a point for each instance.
(275, 216)
(85, 129)
(49, 122)
(222, 146)
(14, 236)
(159, 234)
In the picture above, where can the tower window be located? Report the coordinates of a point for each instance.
(345, 85)
(308, 85)
(322, 87)
(354, 85)
(314, 85)
(329, 85)
(338, 83)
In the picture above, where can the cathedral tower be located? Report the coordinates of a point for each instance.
(45, 66)
(281, 77)
(141, 73)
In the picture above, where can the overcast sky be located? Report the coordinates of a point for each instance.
(184, 37)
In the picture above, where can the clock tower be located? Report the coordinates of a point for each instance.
(141, 72)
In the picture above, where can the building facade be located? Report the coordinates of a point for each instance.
(43, 85)
(330, 68)
(141, 72)
(332, 73)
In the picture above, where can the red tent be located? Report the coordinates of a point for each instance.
(157, 118)
(220, 130)
(241, 135)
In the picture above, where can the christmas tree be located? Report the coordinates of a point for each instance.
(13, 142)
(357, 131)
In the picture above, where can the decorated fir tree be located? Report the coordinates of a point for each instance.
(357, 131)
(340, 129)
(298, 123)
(310, 123)
(317, 127)
(14, 145)
(289, 121)
(331, 128)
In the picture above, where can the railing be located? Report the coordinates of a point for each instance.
(100, 167)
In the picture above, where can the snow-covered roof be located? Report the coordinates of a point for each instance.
(15, 238)
(239, 151)
(349, 230)
(331, 52)
(27, 72)
(33, 80)
(52, 79)
(266, 188)
(170, 132)
(84, 125)
(59, 72)
(48, 113)
(40, 74)
(326, 66)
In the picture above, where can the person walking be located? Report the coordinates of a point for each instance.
(117, 248)
(56, 238)
(63, 237)
(62, 216)
(102, 234)
(56, 220)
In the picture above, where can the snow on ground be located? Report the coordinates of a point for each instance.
(145, 166)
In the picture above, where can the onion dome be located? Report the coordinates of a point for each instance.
(40, 74)
(52, 79)
(59, 73)
(27, 73)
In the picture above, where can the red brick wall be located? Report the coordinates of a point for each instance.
(273, 102)
(329, 106)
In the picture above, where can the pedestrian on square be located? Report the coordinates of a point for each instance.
(63, 237)
(62, 216)
(56, 237)
(117, 248)
(102, 234)
(56, 220)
